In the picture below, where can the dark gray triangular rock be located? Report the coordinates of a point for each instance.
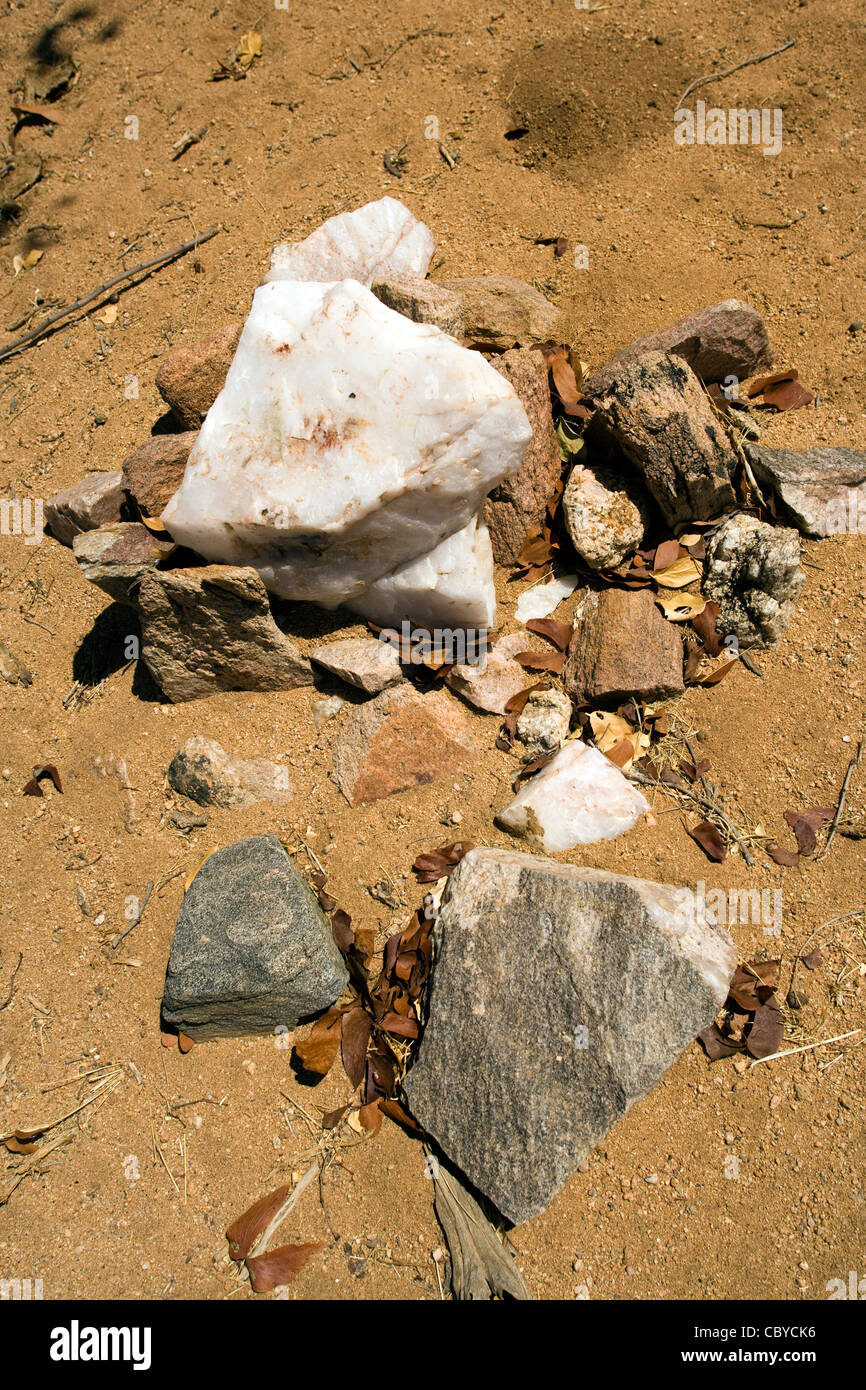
(823, 491)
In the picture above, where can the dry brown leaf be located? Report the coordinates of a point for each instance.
(278, 1267)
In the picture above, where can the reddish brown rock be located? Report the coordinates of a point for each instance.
(191, 378)
(501, 312)
(154, 472)
(518, 504)
(623, 647)
(117, 556)
(400, 740)
(94, 500)
(728, 339)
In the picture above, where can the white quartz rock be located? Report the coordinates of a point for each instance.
(543, 599)
(578, 798)
(451, 587)
(346, 442)
(381, 238)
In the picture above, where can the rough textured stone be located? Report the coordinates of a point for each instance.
(154, 472)
(605, 515)
(399, 740)
(519, 502)
(211, 629)
(115, 557)
(753, 573)
(490, 684)
(725, 340)
(380, 238)
(91, 502)
(623, 647)
(578, 798)
(13, 671)
(203, 771)
(421, 301)
(452, 586)
(544, 722)
(656, 412)
(559, 996)
(501, 312)
(252, 952)
(364, 662)
(823, 491)
(191, 378)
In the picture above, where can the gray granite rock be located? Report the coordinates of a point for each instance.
(543, 725)
(752, 571)
(822, 491)
(364, 662)
(501, 312)
(559, 996)
(422, 301)
(252, 952)
(605, 514)
(203, 771)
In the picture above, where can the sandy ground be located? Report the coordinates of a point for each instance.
(656, 1213)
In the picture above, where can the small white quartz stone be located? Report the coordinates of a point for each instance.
(451, 587)
(347, 442)
(578, 798)
(381, 238)
(541, 601)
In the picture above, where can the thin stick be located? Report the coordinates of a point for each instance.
(807, 1048)
(8, 999)
(840, 805)
(146, 266)
(136, 919)
(716, 76)
(288, 1204)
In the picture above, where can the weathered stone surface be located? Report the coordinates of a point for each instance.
(544, 722)
(501, 312)
(578, 798)
(13, 671)
(378, 239)
(399, 740)
(191, 378)
(451, 587)
(364, 662)
(559, 996)
(623, 647)
(421, 301)
(753, 573)
(347, 442)
(605, 515)
(252, 952)
(519, 502)
(204, 771)
(154, 472)
(211, 629)
(655, 411)
(91, 502)
(822, 491)
(490, 684)
(726, 340)
(114, 557)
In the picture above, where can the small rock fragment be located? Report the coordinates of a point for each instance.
(753, 573)
(326, 709)
(13, 671)
(605, 515)
(116, 556)
(727, 340)
(623, 647)
(655, 411)
(421, 301)
(540, 600)
(519, 503)
(364, 662)
(91, 502)
(252, 952)
(822, 491)
(501, 312)
(203, 771)
(578, 798)
(544, 723)
(490, 684)
(154, 472)
(211, 629)
(399, 740)
(191, 378)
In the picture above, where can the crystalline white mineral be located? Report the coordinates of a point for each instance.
(380, 238)
(450, 587)
(347, 442)
(578, 798)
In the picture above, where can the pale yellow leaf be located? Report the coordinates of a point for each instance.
(680, 608)
(676, 576)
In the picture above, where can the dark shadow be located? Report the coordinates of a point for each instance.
(47, 48)
(103, 650)
(168, 424)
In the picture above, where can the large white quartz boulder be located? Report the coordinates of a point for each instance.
(578, 798)
(378, 239)
(452, 586)
(346, 442)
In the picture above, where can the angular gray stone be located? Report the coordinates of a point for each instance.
(753, 573)
(544, 722)
(116, 556)
(253, 952)
(204, 771)
(656, 412)
(725, 340)
(822, 491)
(559, 996)
(501, 312)
(422, 301)
(210, 629)
(94, 500)
(364, 662)
(605, 515)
